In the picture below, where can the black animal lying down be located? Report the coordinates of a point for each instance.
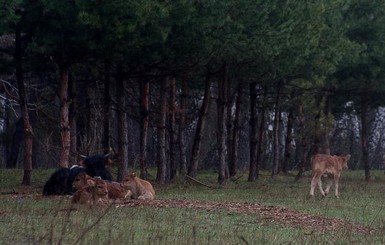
(60, 182)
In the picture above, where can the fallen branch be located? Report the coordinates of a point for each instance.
(197, 181)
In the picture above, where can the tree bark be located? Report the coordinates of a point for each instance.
(288, 138)
(14, 146)
(27, 127)
(221, 127)
(72, 121)
(173, 137)
(328, 113)
(275, 167)
(161, 176)
(236, 132)
(144, 117)
(106, 110)
(304, 148)
(182, 125)
(64, 118)
(192, 170)
(253, 171)
(261, 131)
(122, 129)
(364, 135)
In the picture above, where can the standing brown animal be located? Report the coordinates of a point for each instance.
(94, 193)
(140, 189)
(327, 166)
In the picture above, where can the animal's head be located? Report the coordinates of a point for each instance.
(95, 159)
(130, 181)
(100, 187)
(345, 159)
(82, 180)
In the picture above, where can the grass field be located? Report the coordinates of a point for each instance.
(28, 218)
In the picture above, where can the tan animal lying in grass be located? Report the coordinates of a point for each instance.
(94, 193)
(115, 190)
(140, 189)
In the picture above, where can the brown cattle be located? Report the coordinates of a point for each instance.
(115, 190)
(82, 180)
(140, 189)
(327, 166)
(93, 194)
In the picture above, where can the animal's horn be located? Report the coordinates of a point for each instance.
(82, 156)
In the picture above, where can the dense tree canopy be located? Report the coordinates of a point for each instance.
(305, 60)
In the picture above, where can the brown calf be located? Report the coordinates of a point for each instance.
(139, 188)
(327, 166)
(93, 194)
(115, 190)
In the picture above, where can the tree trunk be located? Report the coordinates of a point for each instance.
(221, 127)
(364, 135)
(328, 113)
(261, 131)
(144, 117)
(228, 100)
(172, 129)
(236, 132)
(122, 129)
(289, 137)
(88, 137)
(253, 171)
(275, 167)
(27, 127)
(72, 121)
(181, 133)
(64, 118)
(192, 170)
(304, 148)
(161, 176)
(14, 147)
(106, 110)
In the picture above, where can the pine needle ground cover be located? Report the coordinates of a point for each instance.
(268, 211)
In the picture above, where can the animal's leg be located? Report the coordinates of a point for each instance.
(320, 187)
(336, 180)
(316, 180)
(329, 183)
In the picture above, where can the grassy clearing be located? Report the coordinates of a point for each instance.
(32, 219)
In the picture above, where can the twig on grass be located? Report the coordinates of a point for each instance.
(197, 181)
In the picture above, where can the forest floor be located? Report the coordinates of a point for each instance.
(267, 213)
(273, 214)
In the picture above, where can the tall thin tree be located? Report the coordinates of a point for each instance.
(27, 127)
(192, 169)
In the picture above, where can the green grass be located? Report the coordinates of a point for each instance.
(29, 218)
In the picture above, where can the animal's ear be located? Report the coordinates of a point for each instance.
(81, 163)
(347, 157)
(133, 174)
(91, 182)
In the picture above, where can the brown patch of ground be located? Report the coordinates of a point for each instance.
(276, 215)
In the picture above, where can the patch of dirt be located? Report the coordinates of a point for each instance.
(276, 215)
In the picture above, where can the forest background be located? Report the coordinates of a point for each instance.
(188, 85)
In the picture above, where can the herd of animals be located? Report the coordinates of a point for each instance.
(91, 183)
